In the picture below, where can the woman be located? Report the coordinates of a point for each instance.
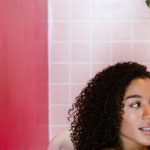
(113, 110)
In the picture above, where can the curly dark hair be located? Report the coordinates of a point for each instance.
(97, 112)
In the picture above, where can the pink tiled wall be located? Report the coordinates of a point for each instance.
(87, 36)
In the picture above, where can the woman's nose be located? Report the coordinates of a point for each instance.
(146, 112)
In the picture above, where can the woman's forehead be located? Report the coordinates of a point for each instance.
(139, 85)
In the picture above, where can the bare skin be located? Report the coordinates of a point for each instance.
(61, 142)
(135, 127)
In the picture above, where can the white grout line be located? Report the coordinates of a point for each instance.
(70, 51)
(91, 37)
(59, 125)
(50, 23)
(98, 20)
(100, 41)
(132, 38)
(111, 38)
(60, 105)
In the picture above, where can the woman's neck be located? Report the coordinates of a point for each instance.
(127, 146)
(125, 143)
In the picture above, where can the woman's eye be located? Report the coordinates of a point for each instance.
(136, 105)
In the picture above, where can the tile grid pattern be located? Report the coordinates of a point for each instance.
(87, 36)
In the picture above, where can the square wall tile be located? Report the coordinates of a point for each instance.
(80, 72)
(60, 9)
(80, 9)
(101, 52)
(121, 30)
(59, 52)
(123, 9)
(59, 115)
(59, 73)
(60, 31)
(80, 51)
(121, 52)
(60, 94)
(141, 30)
(80, 31)
(141, 52)
(101, 30)
(102, 9)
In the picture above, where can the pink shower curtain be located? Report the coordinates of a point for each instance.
(23, 75)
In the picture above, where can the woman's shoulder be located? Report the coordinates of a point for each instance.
(61, 141)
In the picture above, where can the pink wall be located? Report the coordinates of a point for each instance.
(87, 36)
(23, 75)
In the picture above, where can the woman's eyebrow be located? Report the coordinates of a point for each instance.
(133, 96)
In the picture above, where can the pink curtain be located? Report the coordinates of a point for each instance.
(23, 75)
